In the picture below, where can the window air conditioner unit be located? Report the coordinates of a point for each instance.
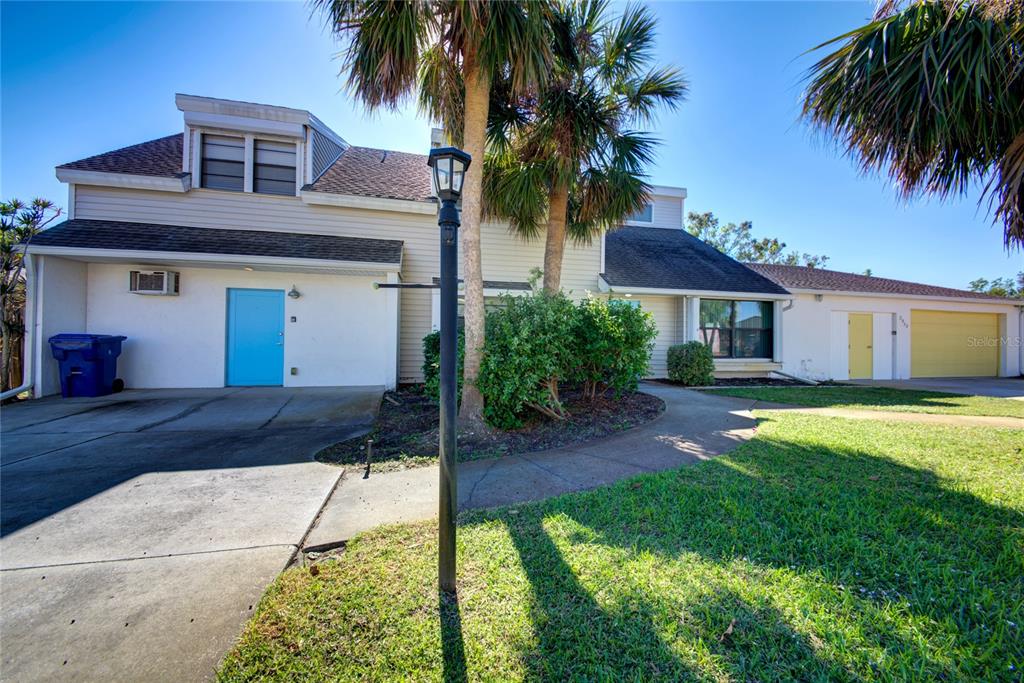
(155, 282)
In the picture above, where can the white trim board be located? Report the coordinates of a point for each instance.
(180, 183)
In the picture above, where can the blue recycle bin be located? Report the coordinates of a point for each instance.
(88, 363)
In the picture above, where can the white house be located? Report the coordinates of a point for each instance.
(245, 249)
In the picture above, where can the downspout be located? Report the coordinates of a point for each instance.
(30, 330)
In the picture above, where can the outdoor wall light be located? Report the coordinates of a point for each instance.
(449, 166)
(294, 293)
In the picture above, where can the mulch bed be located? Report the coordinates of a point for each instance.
(405, 433)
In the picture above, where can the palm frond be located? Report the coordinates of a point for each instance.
(383, 41)
(930, 94)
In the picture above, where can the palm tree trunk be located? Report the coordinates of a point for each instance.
(554, 244)
(478, 86)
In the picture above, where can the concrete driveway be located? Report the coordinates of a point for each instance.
(1000, 387)
(138, 531)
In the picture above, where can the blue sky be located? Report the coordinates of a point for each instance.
(81, 78)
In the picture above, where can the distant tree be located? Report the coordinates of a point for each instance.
(868, 272)
(737, 241)
(19, 223)
(1012, 288)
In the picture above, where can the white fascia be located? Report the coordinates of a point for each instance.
(143, 256)
(668, 191)
(244, 124)
(375, 203)
(179, 183)
(603, 286)
(924, 297)
(214, 105)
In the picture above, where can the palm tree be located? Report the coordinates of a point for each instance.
(570, 150)
(933, 93)
(446, 52)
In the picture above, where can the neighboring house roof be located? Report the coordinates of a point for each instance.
(377, 173)
(93, 234)
(803, 277)
(160, 157)
(664, 258)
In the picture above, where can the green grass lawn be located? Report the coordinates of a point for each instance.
(882, 398)
(823, 549)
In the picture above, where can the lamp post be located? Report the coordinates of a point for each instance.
(448, 165)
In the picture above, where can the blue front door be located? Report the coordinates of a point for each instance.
(255, 337)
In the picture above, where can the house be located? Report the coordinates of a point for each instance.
(848, 326)
(245, 250)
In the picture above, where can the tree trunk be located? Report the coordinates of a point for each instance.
(478, 86)
(554, 243)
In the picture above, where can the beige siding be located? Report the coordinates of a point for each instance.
(667, 212)
(666, 312)
(504, 257)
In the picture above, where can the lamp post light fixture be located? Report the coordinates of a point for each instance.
(448, 165)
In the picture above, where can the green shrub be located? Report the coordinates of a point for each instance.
(432, 364)
(691, 364)
(613, 340)
(527, 351)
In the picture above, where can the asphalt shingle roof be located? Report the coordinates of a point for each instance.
(377, 173)
(802, 277)
(361, 171)
(160, 157)
(671, 258)
(94, 234)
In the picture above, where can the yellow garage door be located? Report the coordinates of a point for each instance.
(953, 344)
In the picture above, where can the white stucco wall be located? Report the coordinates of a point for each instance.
(815, 334)
(61, 288)
(345, 331)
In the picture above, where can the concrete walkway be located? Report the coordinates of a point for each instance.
(138, 531)
(695, 426)
(999, 387)
(895, 416)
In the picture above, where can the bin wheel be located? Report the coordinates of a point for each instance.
(118, 386)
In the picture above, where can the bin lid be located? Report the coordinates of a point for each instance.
(80, 340)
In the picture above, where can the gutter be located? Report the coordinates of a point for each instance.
(30, 330)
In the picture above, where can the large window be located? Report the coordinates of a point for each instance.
(223, 162)
(274, 168)
(737, 329)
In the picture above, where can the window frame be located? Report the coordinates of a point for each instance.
(648, 209)
(249, 140)
(767, 333)
(256, 166)
(205, 140)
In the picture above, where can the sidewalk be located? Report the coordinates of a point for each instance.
(896, 416)
(695, 426)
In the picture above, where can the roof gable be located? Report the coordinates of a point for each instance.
(674, 259)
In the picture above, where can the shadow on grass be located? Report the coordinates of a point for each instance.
(453, 646)
(878, 547)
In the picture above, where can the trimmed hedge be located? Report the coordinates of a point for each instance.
(691, 364)
(432, 365)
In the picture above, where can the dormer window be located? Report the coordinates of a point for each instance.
(273, 167)
(644, 215)
(224, 163)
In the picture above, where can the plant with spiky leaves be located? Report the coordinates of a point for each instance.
(19, 223)
(933, 93)
(446, 53)
(569, 157)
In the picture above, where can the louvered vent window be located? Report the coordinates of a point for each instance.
(223, 162)
(274, 168)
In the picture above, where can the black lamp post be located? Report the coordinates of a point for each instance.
(449, 168)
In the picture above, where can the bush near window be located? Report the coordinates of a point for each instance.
(432, 365)
(691, 364)
(614, 341)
